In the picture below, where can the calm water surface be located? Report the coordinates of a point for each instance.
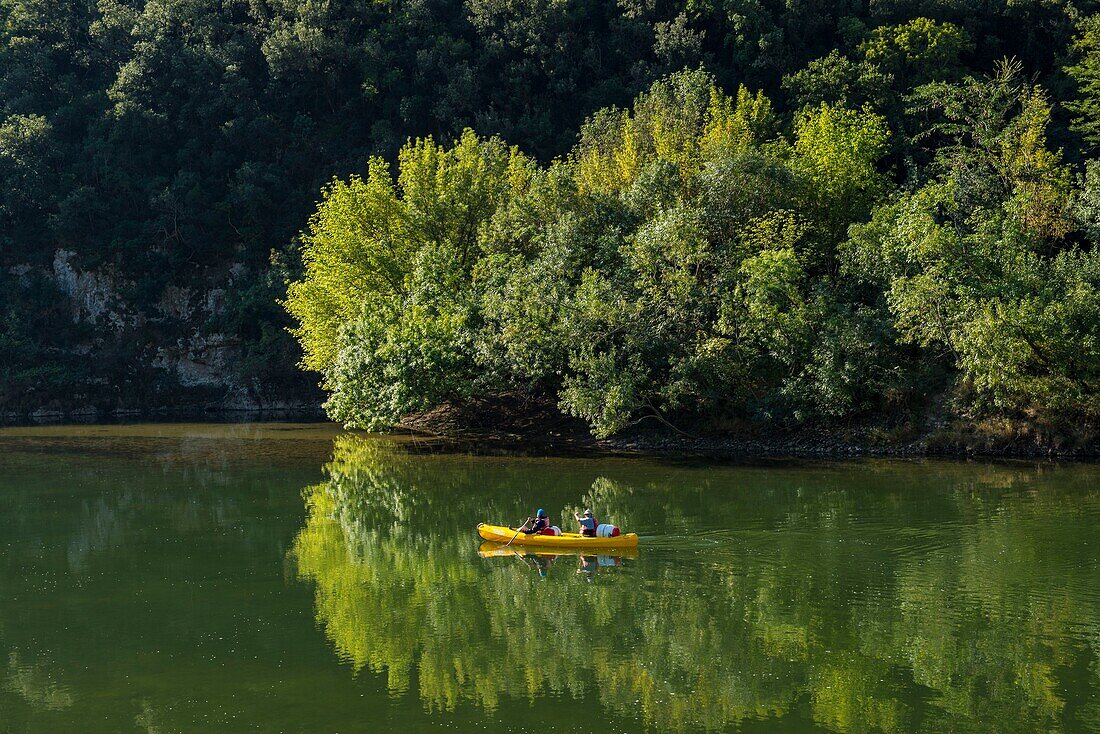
(292, 578)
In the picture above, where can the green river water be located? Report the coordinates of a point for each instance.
(282, 578)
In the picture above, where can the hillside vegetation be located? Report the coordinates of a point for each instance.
(708, 213)
(701, 257)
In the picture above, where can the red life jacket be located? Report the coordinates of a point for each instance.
(595, 525)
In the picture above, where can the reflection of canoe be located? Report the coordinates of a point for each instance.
(502, 534)
(493, 549)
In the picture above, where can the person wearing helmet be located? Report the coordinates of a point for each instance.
(535, 524)
(588, 523)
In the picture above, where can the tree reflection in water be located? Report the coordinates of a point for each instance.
(969, 604)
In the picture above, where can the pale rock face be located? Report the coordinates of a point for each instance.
(199, 361)
(214, 302)
(63, 272)
(92, 294)
(196, 360)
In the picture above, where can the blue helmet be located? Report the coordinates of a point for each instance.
(541, 513)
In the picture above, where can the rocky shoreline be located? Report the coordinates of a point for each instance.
(511, 426)
(732, 448)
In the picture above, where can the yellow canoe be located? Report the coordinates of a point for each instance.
(501, 534)
(492, 549)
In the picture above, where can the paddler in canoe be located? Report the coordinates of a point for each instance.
(538, 531)
(588, 523)
(536, 524)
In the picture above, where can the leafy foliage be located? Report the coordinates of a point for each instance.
(388, 306)
(678, 258)
(977, 259)
(688, 260)
(638, 278)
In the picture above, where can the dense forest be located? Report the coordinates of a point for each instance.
(718, 212)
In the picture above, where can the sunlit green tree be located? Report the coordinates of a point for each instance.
(977, 260)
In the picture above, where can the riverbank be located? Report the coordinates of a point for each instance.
(529, 426)
(55, 416)
(513, 425)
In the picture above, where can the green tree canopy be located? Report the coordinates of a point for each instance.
(660, 268)
(978, 261)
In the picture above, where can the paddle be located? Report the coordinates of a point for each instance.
(516, 535)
